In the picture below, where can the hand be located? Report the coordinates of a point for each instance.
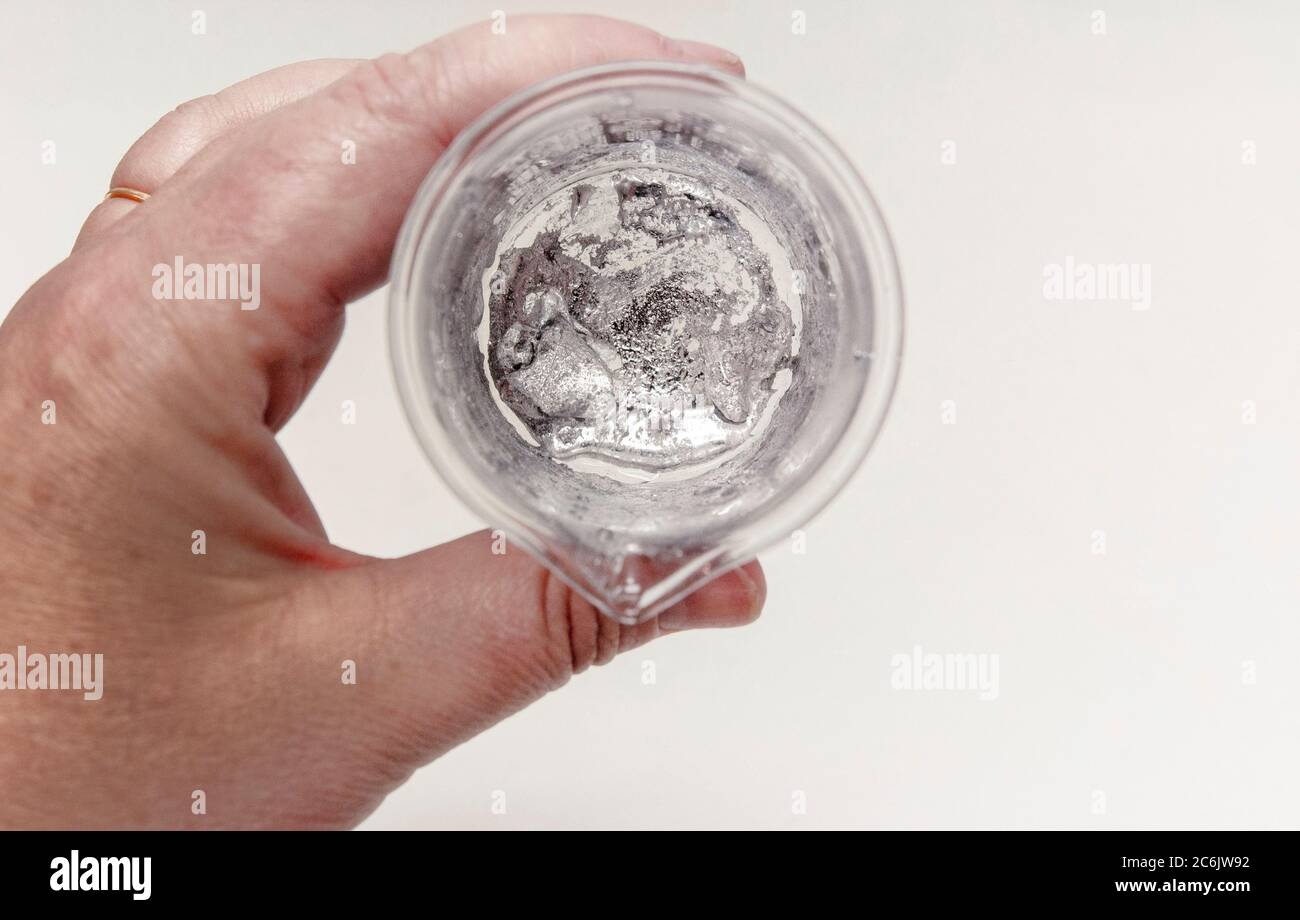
(222, 671)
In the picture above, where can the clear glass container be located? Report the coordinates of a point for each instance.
(634, 545)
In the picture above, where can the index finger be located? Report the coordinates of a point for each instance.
(277, 193)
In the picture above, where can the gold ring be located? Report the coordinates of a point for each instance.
(129, 194)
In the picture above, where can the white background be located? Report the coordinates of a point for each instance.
(1125, 674)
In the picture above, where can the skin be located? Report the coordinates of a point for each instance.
(222, 672)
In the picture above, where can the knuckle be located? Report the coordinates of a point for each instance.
(389, 88)
(382, 85)
(557, 622)
(577, 636)
(176, 130)
(188, 118)
(666, 47)
(196, 109)
(413, 90)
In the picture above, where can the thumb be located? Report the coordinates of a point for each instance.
(449, 641)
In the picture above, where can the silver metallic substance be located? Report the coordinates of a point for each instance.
(636, 319)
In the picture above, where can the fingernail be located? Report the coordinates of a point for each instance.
(709, 54)
(732, 600)
(680, 617)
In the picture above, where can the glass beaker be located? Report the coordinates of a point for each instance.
(635, 547)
